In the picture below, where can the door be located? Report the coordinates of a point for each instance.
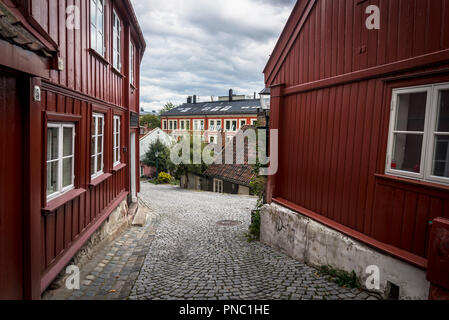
(11, 234)
(132, 162)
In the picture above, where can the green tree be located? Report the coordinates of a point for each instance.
(184, 169)
(167, 107)
(153, 121)
(158, 156)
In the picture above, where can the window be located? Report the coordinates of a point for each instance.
(116, 149)
(164, 124)
(218, 186)
(181, 124)
(212, 139)
(131, 63)
(97, 146)
(242, 123)
(60, 159)
(231, 125)
(211, 125)
(218, 125)
(198, 125)
(97, 26)
(188, 125)
(418, 145)
(253, 122)
(116, 43)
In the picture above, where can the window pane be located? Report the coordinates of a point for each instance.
(92, 150)
(443, 112)
(99, 163)
(52, 143)
(92, 165)
(407, 152)
(100, 126)
(441, 157)
(100, 145)
(411, 112)
(93, 12)
(68, 142)
(67, 172)
(52, 177)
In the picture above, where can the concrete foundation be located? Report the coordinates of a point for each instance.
(313, 243)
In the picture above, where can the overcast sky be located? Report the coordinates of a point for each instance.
(206, 47)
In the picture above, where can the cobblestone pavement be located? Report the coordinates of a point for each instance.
(183, 254)
(113, 269)
(192, 257)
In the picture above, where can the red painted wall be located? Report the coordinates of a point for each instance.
(334, 112)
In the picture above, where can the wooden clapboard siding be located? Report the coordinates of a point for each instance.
(337, 78)
(84, 70)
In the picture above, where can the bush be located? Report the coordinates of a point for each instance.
(164, 178)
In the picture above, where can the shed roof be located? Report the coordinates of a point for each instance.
(13, 31)
(241, 174)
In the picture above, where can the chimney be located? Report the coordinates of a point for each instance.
(194, 99)
(230, 94)
(254, 95)
(189, 100)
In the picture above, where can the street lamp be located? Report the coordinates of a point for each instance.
(265, 99)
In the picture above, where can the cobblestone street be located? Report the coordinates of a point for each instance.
(189, 256)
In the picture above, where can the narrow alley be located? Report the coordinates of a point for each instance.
(185, 252)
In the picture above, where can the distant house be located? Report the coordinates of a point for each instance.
(210, 118)
(145, 142)
(231, 178)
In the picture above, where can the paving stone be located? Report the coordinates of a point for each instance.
(181, 253)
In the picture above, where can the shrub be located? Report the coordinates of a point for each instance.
(164, 178)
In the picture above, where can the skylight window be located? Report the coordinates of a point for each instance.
(226, 108)
(184, 110)
(216, 109)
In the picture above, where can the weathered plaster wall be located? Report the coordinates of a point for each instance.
(318, 245)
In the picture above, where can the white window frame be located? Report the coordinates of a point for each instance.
(219, 126)
(97, 36)
(231, 128)
(116, 139)
(94, 153)
(182, 125)
(187, 124)
(198, 125)
(253, 121)
(430, 123)
(220, 184)
(212, 126)
(164, 124)
(60, 189)
(131, 63)
(240, 123)
(116, 40)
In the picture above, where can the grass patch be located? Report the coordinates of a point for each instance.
(342, 278)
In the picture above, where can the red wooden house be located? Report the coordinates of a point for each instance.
(69, 105)
(363, 119)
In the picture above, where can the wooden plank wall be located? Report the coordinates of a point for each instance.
(331, 38)
(61, 228)
(333, 139)
(84, 71)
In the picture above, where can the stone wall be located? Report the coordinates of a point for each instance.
(313, 243)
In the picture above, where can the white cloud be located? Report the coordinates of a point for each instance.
(205, 47)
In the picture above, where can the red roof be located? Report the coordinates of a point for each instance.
(241, 174)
